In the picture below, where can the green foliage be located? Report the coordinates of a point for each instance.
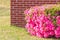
(53, 10)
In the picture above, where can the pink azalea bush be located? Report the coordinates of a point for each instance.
(41, 24)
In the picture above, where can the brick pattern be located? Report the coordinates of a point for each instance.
(18, 7)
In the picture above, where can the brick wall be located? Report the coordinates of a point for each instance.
(18, 7)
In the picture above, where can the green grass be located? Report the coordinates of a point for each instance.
(8, 32)
(5, 3)
(4, 11)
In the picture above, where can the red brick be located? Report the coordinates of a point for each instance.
(18, 7)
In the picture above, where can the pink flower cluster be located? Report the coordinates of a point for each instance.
(40, 25)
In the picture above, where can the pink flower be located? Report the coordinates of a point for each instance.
(58, 20)
(57, 32)
(52, 33)
(32, 32)
(41, 25)
(27, 26)
(46, 34)
(26, 11)
(39, 35)
(42, 8)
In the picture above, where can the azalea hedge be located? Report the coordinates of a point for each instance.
(43, 21)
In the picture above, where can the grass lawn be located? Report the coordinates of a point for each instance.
(8, 32)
